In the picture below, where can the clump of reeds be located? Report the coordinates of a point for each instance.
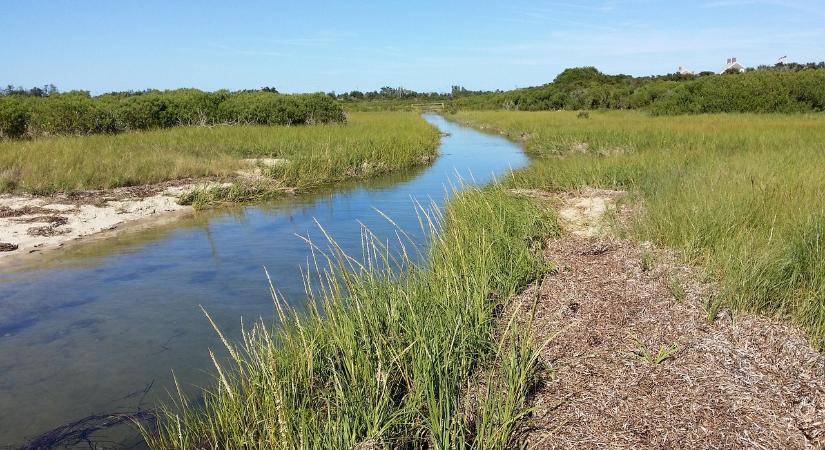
(385, 355)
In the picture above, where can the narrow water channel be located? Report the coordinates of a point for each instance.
(100, 327)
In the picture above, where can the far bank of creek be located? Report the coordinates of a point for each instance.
(100, 327)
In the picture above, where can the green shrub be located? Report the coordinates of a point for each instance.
(14, 117)
(141, 112)
(77, 113)
(764, 90)
(71, 113)
(267, 108)
(192, 107)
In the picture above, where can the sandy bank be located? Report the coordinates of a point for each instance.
(34, 224)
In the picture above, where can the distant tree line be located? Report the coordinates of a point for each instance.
(44, 91)
(779, 88)
(784, 87)
(388, 93)
(401, 93)
(43, 112)
(792, 66)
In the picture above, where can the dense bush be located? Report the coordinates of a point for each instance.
(762, 91)
(72, 113)
(79, 113)
(274, 109)
(768, 89)
(14, 116)
(156, 109)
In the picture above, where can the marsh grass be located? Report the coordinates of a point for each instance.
(651, 357)
(677, 290)
(387, 350)
(648, 261)
(210, 196)
(713, 306)
(740, 194)
(369, 144)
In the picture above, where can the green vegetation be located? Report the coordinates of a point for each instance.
(369, 144)
(740, 194)
(401, 99)
(712, 306)
(78, 113)
(676, 289)
(648, 261)
(780, 88)
(46, 112)
(662, 354)
(384, 359)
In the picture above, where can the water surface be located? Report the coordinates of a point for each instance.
(100, 327)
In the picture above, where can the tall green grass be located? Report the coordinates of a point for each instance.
(738, 193)
(385, 358)
(370, 143)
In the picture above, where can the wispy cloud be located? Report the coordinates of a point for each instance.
(579, 14)
(226, 49)
(816, 7)
(282, 46)
(557, 12)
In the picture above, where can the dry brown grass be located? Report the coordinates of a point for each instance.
(740, 381)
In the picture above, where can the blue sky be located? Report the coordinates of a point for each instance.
(423, 45)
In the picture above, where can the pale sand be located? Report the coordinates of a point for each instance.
(581, 213)
(85, 216)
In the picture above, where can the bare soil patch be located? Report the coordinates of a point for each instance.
(638, 363)
(588, 212)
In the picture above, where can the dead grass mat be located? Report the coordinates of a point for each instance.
(741, 381)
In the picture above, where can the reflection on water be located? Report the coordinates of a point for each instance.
(88, 331)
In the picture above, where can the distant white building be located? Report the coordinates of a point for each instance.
(732, 64)
(683, 71)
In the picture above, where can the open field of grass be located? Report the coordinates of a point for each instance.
(368, 144)
(385, 359)
(739, 194)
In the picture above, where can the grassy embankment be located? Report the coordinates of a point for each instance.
(739, 194)
(368, 144)
(386, 359)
